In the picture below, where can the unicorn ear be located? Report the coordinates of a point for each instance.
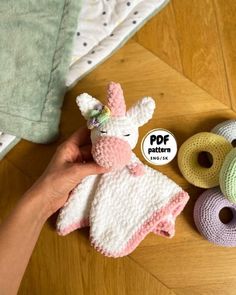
(86, 103)
(142, 111)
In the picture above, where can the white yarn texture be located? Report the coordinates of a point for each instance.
(119, 210)
(117, 204)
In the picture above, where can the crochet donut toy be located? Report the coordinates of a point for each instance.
(207, 220)
(228, 176)
(217, 146)
(227, 129)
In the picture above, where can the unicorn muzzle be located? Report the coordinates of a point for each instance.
(111, 152)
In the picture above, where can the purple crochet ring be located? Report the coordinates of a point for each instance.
(206, 217)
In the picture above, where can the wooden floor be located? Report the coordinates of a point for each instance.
(185, 58)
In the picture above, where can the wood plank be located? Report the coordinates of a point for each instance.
(13, 185)
(226, 11)
(227, 288)
(174, 94)
(69, 265)
(188, 263)
(200, 47)
(160, 37)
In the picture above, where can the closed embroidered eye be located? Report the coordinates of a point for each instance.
(103, 132)
(126, 134)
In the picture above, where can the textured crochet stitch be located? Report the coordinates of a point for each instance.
(228, 176)
(217, 146)
(207, 220)
(132, 200)
(227, 129)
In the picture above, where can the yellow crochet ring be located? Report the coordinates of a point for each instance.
(188, 158)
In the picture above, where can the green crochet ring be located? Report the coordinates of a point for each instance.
(228, 176)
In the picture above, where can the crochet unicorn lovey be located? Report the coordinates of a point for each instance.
(131, 200)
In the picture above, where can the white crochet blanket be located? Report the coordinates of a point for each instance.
(122, 209)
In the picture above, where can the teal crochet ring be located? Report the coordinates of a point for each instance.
(228, 176)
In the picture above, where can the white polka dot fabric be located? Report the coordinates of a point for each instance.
(103, 26)
(7, 141)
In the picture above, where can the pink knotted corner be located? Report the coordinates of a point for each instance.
(136, 169)
(116, 101)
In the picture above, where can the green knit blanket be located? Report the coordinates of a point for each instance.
(35, 43)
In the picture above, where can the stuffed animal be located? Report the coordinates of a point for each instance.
(124, 205)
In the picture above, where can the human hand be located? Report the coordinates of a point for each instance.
(69, 165)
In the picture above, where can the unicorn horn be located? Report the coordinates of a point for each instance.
(116, 101)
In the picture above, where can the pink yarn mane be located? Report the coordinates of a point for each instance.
(116, 101)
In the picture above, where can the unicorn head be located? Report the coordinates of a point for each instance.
(114, 131)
